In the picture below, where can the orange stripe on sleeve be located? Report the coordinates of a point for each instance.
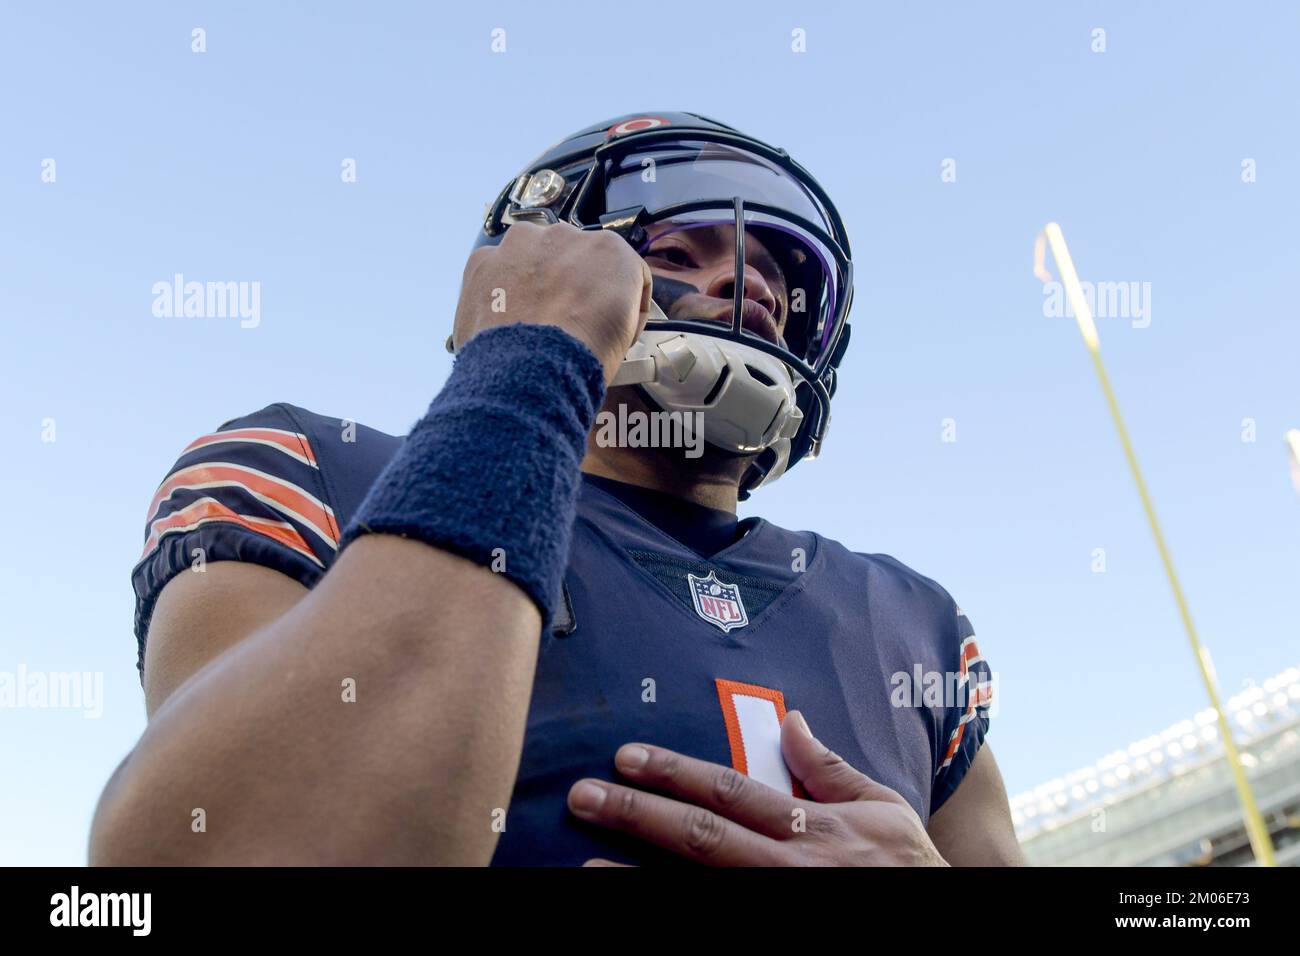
(208, 510)
(282, 495)
(294, 444)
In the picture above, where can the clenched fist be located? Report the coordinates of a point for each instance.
(589, 284)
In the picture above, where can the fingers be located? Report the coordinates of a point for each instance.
(825, 775)
(629, 263)
(721, 789)
(689, 831)
(647, 296)
(521, 230)
(597, 861)
(588, 283)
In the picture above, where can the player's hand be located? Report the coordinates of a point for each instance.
(714, 815)
(592, 285)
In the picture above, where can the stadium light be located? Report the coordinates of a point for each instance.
(1052, 238)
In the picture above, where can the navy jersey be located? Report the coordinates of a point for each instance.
(652, 643)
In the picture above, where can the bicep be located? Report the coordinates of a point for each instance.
(973, 827)
(201, 615)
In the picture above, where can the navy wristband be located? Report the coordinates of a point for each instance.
(495, 463)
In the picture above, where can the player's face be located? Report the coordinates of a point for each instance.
(704, 257)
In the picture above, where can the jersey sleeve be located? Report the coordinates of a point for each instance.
(250, 491)
(967, 716)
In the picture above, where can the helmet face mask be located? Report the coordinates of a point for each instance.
(650, 177)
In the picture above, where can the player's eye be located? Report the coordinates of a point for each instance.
(673, 255)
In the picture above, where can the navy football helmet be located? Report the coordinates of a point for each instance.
(646, 175)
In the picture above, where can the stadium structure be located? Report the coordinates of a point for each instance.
(1168, 799)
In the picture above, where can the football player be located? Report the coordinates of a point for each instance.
(533, 631)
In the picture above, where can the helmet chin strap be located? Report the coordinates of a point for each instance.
(747, 397)
(671, 361)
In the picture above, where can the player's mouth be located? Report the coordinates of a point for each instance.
(754, 318)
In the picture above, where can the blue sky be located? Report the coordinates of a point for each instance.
(225, 165)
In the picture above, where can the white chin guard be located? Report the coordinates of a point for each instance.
(746, 398)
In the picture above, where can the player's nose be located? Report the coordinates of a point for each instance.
(722, 285)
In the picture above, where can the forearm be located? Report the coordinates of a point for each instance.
(286, 770)
(265, 739)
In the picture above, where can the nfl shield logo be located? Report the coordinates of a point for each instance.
(719, 604)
